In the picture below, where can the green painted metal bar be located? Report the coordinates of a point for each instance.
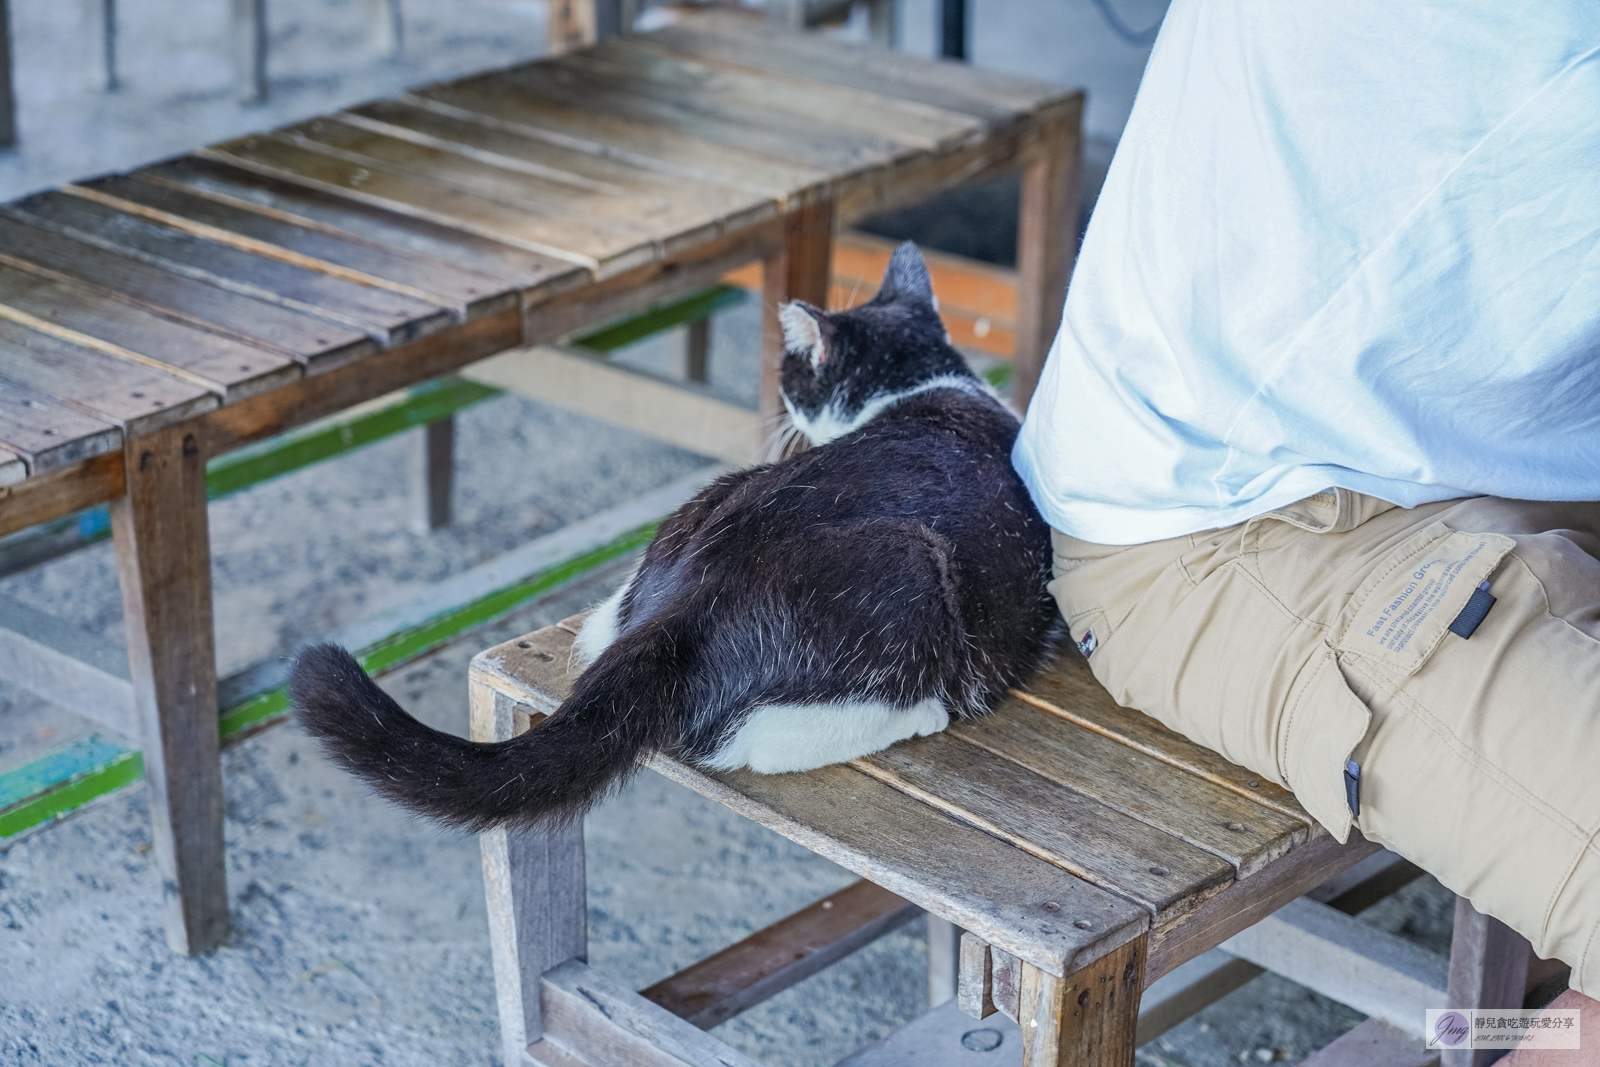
(70, 777)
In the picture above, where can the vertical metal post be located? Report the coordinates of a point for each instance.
(100, 30)
(953, 29)
(249, 29)
(8, 104)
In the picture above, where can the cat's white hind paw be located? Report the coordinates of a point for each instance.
(800, 737)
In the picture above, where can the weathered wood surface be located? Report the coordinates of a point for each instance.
(772, 959)
(61, 490)
(1488, 969)
(1090, 1016)
(796, 270)
(975, 978)
(1047, 212)
(159, 529)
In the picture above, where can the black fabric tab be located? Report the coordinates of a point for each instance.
(1352, 792)
(1471, 615)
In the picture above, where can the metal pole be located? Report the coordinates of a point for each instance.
(8, 104)
(953, 29)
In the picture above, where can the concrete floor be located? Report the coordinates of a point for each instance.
(358, 934)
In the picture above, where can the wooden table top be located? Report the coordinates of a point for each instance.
(132, 302)
(1056, 829)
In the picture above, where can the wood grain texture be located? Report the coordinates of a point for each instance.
(534, 883)
(134, 397)
(798, 270)
(1100, 844)
(389, 317)
(159, 529)
(87, 315)
(776, 957)
(423, 277)
(584, 1010)
(1007, 991)
(975, 978)
(47, 436)
(1488, 969)
(1047, 224)
(1067, 688)
(1191, 809)
(62, 490)
(315, 342)
(336, 214)
(1088, 1017)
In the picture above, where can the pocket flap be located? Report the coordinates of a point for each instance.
(1405, 607)
(1324, 725)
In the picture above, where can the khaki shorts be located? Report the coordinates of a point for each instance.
(1321, 632)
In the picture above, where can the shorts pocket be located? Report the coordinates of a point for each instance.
(1324, 723)
(1405, 606)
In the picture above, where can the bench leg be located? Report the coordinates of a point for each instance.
(697, 350)
(800, 271)
(164, 563)
(944, 960)
(432, 473)
(534, 881)
(1488, 969)
(1047, 244)
(1089, 1018)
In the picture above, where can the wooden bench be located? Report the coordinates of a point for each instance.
(154, 321)
(1111, 877)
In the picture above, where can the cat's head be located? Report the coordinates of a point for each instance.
(841, 368)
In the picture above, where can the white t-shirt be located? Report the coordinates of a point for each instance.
(1351, 243)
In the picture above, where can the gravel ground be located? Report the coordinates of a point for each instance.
(359, 934)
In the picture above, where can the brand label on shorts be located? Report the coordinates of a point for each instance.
(1088, 644)
(1417, 592)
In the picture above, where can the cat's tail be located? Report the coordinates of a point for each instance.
(555, 771)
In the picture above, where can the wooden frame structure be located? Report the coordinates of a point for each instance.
(1111, 879)
(150, 322)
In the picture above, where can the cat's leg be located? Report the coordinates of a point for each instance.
(800, 737)
(602, 625)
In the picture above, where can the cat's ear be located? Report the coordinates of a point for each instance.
(806, 330)
(907, 279)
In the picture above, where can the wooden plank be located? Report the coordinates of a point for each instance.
(64, 489)
(656, 69)
(647, 144)
(48, 435)
(389, 317)
(130, 395)
(1007, 983)
(511, 146)
(998, 892)
(679, 413)
(1250, 900)
(981, 92)
(1247, 835)
(975, 978)
(1099, 844)
(798, 270)
(468, 293)
(72, 669)
(12, 467)
(331, 392)
(534, 882)
(1373, 1043)
(1047, 225)
(85, 315)
(315, 342)
(164, 563)
(1067, 688)
(430, 470)
(1374, 972)
(335, 214)
(1488, 970)
(600, 222)
(584, 1010)
(1089, 1016)
(944, 1037)
(575, 81)
(778, 956)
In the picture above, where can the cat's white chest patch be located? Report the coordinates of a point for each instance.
(800, 737)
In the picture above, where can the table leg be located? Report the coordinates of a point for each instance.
(164, 563)
(432, 473)
(801, 271)
(1047, 244)
(1090, 1018)
(1488, 969)
(534, 882)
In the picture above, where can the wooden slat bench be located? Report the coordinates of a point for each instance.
(1111, 878)
(154, 320)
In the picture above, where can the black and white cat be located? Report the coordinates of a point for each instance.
(790, 616)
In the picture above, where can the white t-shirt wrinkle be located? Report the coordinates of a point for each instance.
(1352, 244)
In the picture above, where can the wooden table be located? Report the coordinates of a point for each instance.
(153, 320)
(1095, 859)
